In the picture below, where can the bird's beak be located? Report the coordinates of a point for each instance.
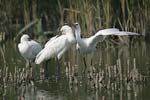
(59, 32)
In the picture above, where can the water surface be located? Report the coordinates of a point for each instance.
(137, 54)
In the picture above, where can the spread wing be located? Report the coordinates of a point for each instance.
(102, 34)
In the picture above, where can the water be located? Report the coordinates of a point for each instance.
(67, 88)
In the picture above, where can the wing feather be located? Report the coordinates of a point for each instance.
(50, 40)
(35, 47)
(102, 34)
(52, 49)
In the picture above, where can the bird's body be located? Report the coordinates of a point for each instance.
(85, 47)
(50, 40)
(88, 45)
(29, 48)
(57, 46)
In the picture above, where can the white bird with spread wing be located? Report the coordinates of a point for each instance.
(29, 48)
(88, 45)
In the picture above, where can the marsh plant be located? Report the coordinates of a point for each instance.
(129, 15)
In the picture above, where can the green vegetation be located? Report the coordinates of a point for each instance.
(132, 15)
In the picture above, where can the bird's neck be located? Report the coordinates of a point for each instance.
(71, 37)
(78, 35)
(22, 40)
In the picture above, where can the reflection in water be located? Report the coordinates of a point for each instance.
(119, 73)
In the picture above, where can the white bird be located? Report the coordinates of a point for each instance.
(57, 46)
(88, 45)
(50, 40)
(29, 48)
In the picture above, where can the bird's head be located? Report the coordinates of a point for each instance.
(76, 25)
(65, 29)
(25, 37)
(77, 28)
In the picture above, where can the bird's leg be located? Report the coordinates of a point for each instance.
(30, 64)
(91, 65)
(85, 66)
(29, 71)
(46, 70)
(27, 64)
(58, 69)
(91, 62)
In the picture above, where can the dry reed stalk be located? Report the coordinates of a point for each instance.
(26, 12)
(128, 67)
(135, 71)
(107, 12)
(34, 9)
(120, 69)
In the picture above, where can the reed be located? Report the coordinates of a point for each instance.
(93, 16)
(110, 77)
(128, 15)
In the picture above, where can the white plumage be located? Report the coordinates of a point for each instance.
(28, 48)
(57, 46)
(50, 40)
(88, 45)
